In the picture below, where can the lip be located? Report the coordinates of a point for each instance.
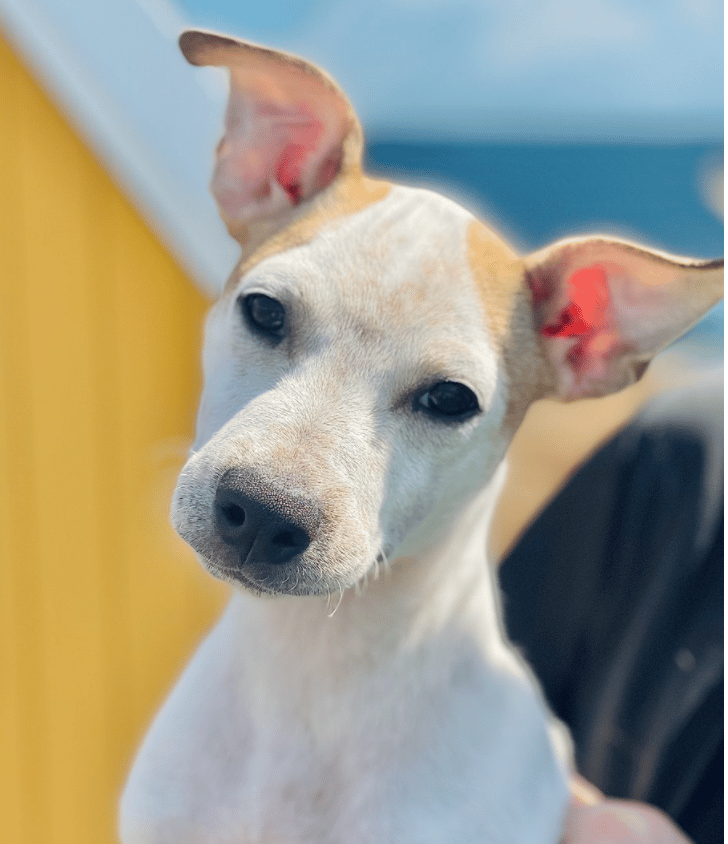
(237, 577)
(265, 585)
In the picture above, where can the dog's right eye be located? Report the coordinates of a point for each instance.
(264, 314)
(449, 400)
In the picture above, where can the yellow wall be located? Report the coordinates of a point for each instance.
(99, 604)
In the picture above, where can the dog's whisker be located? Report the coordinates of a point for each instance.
(362, 584)
(341, 598)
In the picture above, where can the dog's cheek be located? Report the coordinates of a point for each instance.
(236, 372)
(216, 408)
(355, 507)
(409, 491)
(223, 397)
(433, 480)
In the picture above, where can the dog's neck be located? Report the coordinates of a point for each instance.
(403, 624)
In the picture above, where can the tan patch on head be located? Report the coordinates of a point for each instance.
(351, 192)
(500, 278)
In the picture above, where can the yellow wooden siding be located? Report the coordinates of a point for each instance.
(99, 603)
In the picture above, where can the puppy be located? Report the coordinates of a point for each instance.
(366, 367)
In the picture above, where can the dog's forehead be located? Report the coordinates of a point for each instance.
(410, 247)
(411, 255)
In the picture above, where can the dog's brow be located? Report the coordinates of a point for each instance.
(346, 197)
(275, 280)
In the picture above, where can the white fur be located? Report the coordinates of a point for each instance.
(359, 688)
(402, 716)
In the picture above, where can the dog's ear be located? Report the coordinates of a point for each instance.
(289, 132)
(604, 307)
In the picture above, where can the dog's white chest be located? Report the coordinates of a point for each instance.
(471, 761)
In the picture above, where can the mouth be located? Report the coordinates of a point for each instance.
(261, 580)
(295, 580)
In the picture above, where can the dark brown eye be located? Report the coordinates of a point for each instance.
(449, 399)
(265, 314)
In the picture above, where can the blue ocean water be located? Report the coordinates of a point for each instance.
(537, 193)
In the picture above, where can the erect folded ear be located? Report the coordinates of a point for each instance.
(604, 307)
(289, 131)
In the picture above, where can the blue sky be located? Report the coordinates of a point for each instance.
(523, 68)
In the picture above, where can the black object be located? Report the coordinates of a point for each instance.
(615, 595)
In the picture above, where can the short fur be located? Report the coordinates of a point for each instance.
(363, 691)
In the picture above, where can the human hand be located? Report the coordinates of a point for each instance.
(596, 819)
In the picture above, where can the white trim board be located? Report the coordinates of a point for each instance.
(115, 69)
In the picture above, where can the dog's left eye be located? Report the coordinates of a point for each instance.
(265, 314)
(449, 398)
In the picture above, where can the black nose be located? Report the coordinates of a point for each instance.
(259, 520)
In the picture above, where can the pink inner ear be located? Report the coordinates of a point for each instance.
(301, 142)
(265, 143)
(586, 312)
(289, 170)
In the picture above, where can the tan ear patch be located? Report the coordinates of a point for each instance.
(500, 279)
(203, 48)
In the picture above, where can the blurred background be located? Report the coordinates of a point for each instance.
(549, 118)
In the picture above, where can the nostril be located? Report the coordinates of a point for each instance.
(293, 538)
(233, 514)
(286, 542)
(233, 519)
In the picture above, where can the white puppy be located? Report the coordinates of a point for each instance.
(365, 369)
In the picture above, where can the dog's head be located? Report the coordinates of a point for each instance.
(376, 346)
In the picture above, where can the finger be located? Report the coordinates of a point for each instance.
(620, 822)
(582, 791)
